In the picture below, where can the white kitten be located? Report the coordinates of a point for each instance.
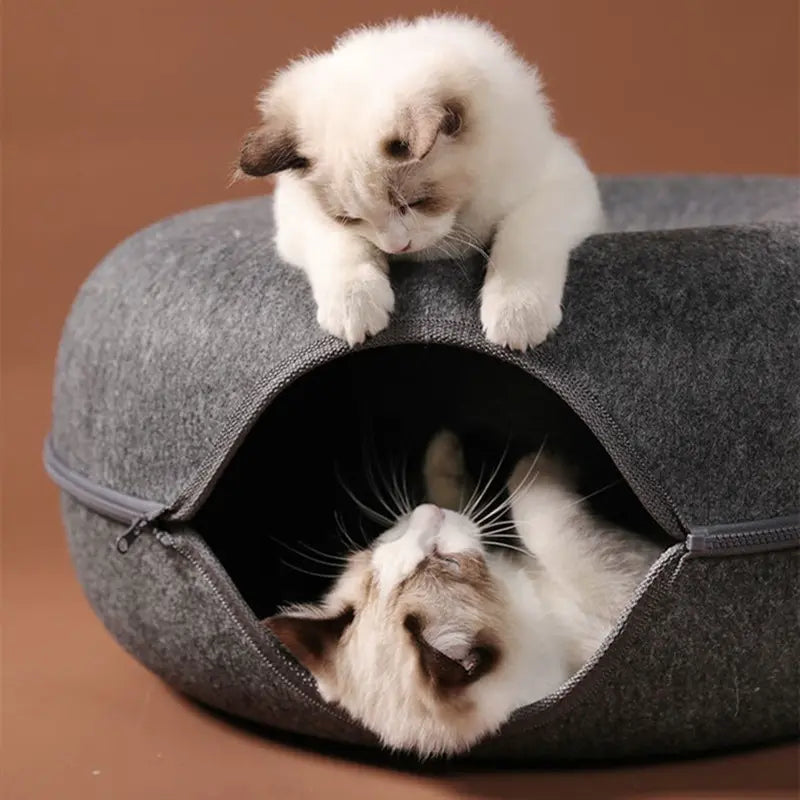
(431, 638)
(427, 138)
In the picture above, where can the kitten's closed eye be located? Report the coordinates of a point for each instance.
(424, 204)
(451, 562)
(343, 219)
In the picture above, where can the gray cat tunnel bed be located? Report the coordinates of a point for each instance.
(202, 422)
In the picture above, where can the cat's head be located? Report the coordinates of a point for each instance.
(382, 129)
(417, 639)
(411, 639)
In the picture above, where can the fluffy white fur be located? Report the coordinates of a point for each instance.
(476, 160)
(432, 638)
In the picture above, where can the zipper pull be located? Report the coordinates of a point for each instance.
(143, 525)
(132, 534)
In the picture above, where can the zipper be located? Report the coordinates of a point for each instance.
(140, 515)
(745, 538)
(143, 516)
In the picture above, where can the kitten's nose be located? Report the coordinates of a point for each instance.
(395, 249)
(424, 525)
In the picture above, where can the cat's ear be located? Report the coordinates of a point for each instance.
(447, 483)
(445, 673)
(420, 127)
(270, 148)
(311, 640)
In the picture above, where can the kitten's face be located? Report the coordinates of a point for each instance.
(391, 163)
(410, 639)
(400, 208)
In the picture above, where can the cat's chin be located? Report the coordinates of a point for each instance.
(443, 249)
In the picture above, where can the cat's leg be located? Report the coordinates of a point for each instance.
(598, 563)
(447, 483)
(521, 298)
(348, 275)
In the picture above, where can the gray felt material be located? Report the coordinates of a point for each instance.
(191, 352)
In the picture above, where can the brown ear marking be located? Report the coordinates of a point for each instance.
(310, 639)
(423, 126)
(447, 674)
(266, 150)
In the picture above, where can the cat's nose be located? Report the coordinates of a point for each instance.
(404, 248)
(424, 525)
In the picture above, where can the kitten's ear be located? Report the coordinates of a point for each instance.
(270, 148)
(445, 673)
(447, 483)
(311, 640)
(420, 128)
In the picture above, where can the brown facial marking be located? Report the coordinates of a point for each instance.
(447, 674)
(431, 204)
(267, 150)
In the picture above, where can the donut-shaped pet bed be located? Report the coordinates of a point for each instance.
(202, 422)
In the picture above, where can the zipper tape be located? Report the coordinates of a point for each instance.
(108, 502)
(740, 538)
(743, 538)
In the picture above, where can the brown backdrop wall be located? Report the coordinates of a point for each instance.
(117, 113)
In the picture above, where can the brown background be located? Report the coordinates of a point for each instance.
(116, 114)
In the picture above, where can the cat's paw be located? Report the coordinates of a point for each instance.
(516, 316)
(542, 468)
(357, 306)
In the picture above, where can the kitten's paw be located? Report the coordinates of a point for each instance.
(446, 481)
(358, 306)
(542, 468)
(516, 316)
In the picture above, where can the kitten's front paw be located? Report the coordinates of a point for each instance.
(357, 306)
(516, 316)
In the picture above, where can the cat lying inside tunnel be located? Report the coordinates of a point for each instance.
(454, 617)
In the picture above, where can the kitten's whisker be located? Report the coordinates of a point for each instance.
(491, 478)
(591, 494)
(307, 571)
(363, 533)
(467, 511)
(300, 553)
(398, 495)
(404, 484)
(373, 481)
(370, 512)
(525, 482)
(511, 547)
(347, 538)
(323, 553)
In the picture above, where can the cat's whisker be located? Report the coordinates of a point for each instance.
(374, 484)
(307, 571)
(370, 512)
(397, 496)
(505, 546)
(510, 526)
(363, 533)
(526, 482)
(591, 494)
(322, 553)
(406, 494)
(467, 510)
(325, 562)
(480, 497)
(346, 537)
(469, 243)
